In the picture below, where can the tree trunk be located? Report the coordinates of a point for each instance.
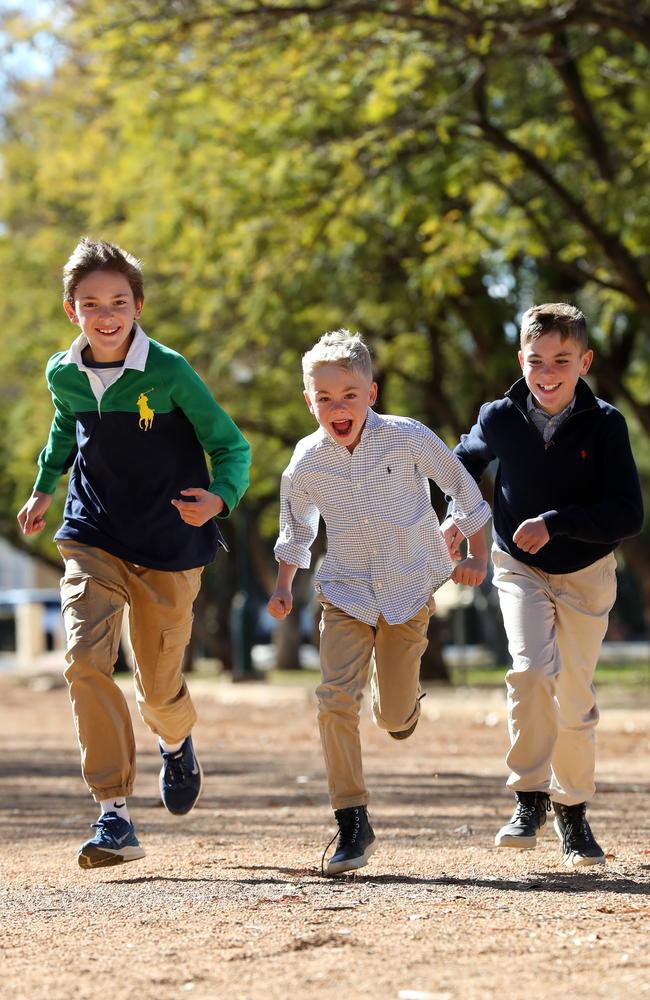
(637, 556)
(286, 641)
(433, 666)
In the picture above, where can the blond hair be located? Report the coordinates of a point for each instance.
(554, 317)
(338, 347)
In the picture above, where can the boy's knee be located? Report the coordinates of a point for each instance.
(335, 700)
(86, 659)
(393, 720)
(530, 674)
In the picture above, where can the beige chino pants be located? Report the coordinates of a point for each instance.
(555, 625)
(95, 588)
(346, 651)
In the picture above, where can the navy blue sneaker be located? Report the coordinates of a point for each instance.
(114, 843)
(180, 779)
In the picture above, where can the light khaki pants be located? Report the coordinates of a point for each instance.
(555, 623)
(346, 650)
(94, 590)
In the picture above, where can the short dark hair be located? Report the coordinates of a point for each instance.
(89, 255)
(554, 317)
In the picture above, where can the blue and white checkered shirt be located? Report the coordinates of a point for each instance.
(385, 552)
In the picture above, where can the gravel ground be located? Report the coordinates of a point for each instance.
(230, 903)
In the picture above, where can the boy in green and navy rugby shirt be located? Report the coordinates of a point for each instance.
(134, 420)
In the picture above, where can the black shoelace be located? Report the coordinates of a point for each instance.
(348, 824)
(527, 809)
(576, 830)
(105, 821)
(175, 772)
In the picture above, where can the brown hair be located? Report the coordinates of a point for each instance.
(90, 256)
(554, 317)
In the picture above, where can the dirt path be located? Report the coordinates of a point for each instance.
(229, 902)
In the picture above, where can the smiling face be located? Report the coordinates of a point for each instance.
(339, 399)
(105, 309)
(552, 367)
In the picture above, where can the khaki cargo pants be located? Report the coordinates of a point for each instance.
(347, 649)
(95, 588)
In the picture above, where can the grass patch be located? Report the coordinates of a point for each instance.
(628, 674)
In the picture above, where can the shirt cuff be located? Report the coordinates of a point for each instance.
(46, 482)
(469, 524)
(555, 523)
(293, 554)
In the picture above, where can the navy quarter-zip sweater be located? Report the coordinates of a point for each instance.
(135, 448)
(584, 482)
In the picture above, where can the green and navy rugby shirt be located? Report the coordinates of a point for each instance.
(133, 446)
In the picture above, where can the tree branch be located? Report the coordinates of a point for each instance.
(618, 254)
(569, 73)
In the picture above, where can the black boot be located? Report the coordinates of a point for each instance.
(356, 841)
(579, 847)
(527, 822)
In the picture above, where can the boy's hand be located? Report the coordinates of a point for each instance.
(531, 535)
(197, 512)
(470, 571)
(31, 515)
(453, 539)
(280, 603)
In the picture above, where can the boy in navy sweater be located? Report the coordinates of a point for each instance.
(134, 420)
(566, 493)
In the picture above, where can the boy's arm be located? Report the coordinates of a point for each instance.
(616, 514)
(298, 528)
(434, 459)
(281, 600)
(475, 454)
(56, 456)
(470, 512)
(473, 450)
(31, 516)
(220, 437)
(471, 571)
(53, 461)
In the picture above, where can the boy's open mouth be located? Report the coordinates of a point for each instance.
(109, 333)
(549, 388)
(342, 427)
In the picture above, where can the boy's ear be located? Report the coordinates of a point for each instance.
(372, 396)
(587, 358)
(70, 312)
(138, 307)
(308, 401)
(520, 355)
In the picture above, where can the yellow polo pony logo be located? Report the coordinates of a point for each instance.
(146, 413)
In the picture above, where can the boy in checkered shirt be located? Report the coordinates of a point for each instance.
(367, 476)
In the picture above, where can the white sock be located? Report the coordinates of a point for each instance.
(117, 805)
(171, 747)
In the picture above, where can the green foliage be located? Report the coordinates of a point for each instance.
(420, 171)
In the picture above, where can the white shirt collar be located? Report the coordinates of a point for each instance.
(136, 357)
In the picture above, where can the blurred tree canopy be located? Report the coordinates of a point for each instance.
(420, 170)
